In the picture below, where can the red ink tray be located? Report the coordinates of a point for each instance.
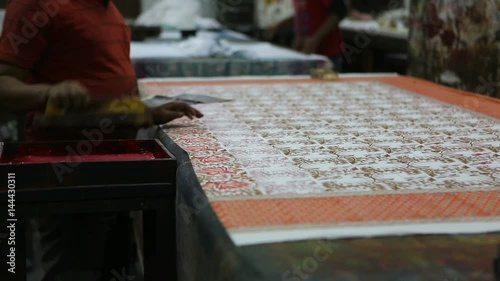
(85, 163)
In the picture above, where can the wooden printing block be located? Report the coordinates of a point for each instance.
(324, 74)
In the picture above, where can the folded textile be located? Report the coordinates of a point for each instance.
(177, 14)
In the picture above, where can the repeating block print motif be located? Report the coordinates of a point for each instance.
(218, 171)
(271, 169)
(238, 162)
(354, 137)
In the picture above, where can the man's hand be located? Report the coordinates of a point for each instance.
(69, 95)
(311, 45)
(171, 111)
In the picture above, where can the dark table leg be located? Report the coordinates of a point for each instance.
(117, 251)
(160, 247)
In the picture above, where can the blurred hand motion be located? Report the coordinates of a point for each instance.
(69, 95)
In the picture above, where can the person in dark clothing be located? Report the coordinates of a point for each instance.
(316, 28)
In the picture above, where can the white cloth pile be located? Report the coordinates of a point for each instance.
(177, 15)
(206, 44)
(2, 17)
(269, 13)
(392, 23)
(204, 47)
(395, 20)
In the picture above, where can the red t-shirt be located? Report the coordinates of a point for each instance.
(309, 17)
(83, 40)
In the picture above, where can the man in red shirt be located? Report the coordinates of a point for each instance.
(317, 28)
(70, 52)
(316, 25)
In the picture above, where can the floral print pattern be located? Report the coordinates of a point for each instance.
(457, 43)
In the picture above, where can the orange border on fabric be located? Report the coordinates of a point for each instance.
(357, 209)
(471, 101)
(475, 102)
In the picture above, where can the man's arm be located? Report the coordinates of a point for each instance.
(17, 96)
(18, 58)
(338, 11)
(312, 43)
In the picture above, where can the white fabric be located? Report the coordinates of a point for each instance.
(208, 6)
(373, 28)
(269, 13)
(140, 50)
(287, 235)
(268, 51)
(391, 23)
(177, 14)
(225, 34)
(208, 45)
(395, 20)
(360, 25)
(2, 17)
(147, 4)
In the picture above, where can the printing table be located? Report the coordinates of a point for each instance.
(368, 177)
